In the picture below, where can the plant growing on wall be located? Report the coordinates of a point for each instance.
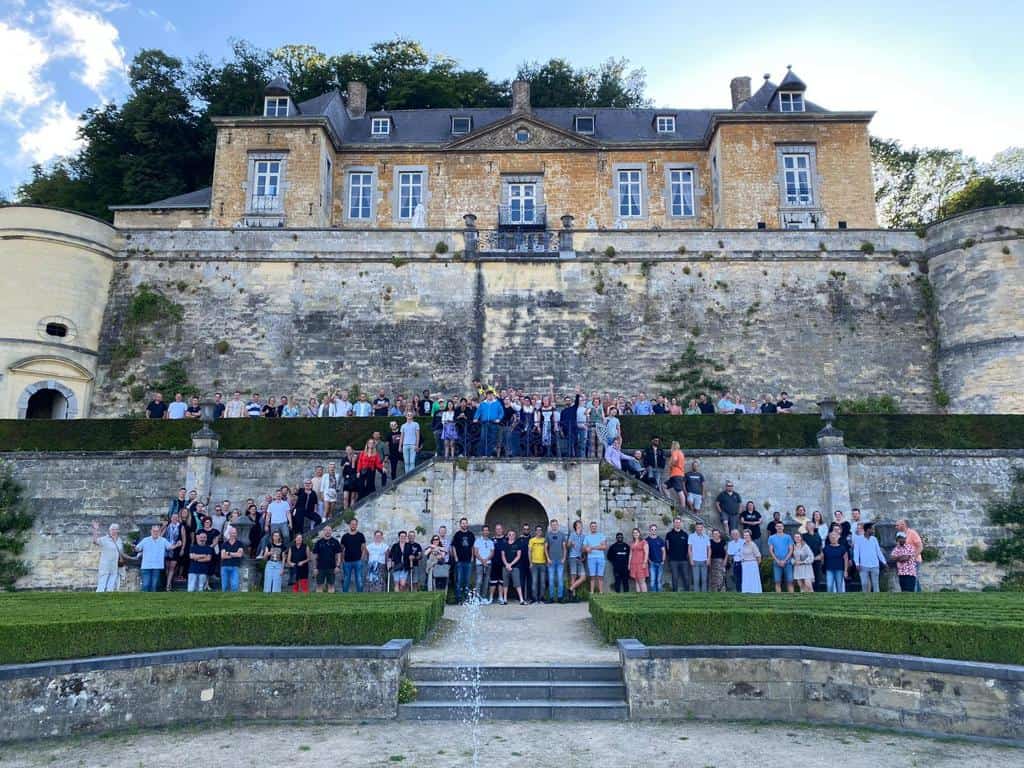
(174, 378)
(869, 404)
(15, 523)
(147, 306)
(1007, 552)
(691, 374)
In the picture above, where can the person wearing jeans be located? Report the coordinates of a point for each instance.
(463, 544)
(868, 557)
(836, 562)
(353, 544)
(557, 548)
(154, 549)
(231, 553)
(699, 552)
(200, 556)
(489, 415)
(273, 553)
(677, 547)
(410, 442)
(656, 558)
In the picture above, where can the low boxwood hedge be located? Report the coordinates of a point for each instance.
(692, 432)
(48, 626)
(967, 626)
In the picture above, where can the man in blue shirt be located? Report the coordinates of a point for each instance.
(656, 557)
(700, 553)
(643, 407)
(780, 547)
(868, 557)
(594, 547)
(489, 414)
(726, 404)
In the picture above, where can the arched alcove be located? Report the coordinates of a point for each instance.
(514, 509)
(47, 400)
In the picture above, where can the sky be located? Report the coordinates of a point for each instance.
(937, 73)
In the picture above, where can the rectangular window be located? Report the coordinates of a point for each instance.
(666, 124)
(380, 126)
(584, 124)
(461, 125)
(522, 203)
(630, 186)
(360, 195)
(680, 183)
(796, 170)
(266, 190)
(791, 102)
(410, 193)
(275, 106)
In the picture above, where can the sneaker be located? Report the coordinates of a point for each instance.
(522, 602)
(486, 601)
(503, 601)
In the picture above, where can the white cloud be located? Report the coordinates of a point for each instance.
(55, 135)
(92, 39)
(22, 58)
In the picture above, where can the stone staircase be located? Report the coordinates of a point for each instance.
(535, 692)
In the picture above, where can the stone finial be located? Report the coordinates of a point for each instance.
(739, 87)
(356, 99)
(521, 96)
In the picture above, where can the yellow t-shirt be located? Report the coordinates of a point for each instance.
(537, 554)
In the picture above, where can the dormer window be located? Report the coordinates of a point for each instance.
(461, 125)
(380, 126)
(584, 124)
(666, 123)
(275, 106)
(791, 101)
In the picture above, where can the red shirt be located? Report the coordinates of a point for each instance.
(369, 461)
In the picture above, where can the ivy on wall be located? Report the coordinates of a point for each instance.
(15, 523)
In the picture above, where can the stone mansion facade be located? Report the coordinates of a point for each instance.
(773, 161)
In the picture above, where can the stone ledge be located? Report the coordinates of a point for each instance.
(393, 649)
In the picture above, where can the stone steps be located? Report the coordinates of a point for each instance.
(534, 692)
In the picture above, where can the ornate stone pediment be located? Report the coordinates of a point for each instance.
(506, 134)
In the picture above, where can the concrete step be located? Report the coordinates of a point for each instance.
(533, 690)
(526, 709)
(609, 673)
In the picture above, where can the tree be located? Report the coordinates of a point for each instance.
(981, 192)
(690, 375)
(15, 525)
(1007, 165)
(1008, 551)
(558, 84)
(912, 184)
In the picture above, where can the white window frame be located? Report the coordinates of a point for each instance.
(803, 177)
(593, 124)
(522, 187)
(687, 178)
(669, 126)
(267, 166)
(380, 127)
(397, 185)
(370, 186)
(275, 110)
(637, 181)
(791, 101)
(469, 125)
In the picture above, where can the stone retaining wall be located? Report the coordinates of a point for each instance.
(207, 685)
(796, 683)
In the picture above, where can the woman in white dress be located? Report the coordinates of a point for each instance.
(377, 569)
(751, 559)
(803, 564)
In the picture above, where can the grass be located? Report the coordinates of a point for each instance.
(967, 626)
(42, 626)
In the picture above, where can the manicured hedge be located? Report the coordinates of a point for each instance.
(693, 432)
(967, 626)
(65, 625)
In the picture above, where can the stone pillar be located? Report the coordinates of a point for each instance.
(565, 247)
(199, 466)
(470, 235)
(835, 471)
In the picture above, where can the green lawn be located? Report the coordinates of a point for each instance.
(952, 625)
(42, 626)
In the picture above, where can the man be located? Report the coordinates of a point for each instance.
(400, 562)
(362, 408)
(768, 405)
(567, 427)
(538, 563)
(174, 533)
(178, 408)
(523, 542)
(462, 555)
(654, 462)
(780, 549)
(382, 452)
(157, 408)
(410, 442)
(555, 549)
(200, 557)
(381, 404)
(498, 564)
(483, 553)
(727, 503)
(416, 571)
(235, 408)
(488, 414)
(869, 558)
(913, 540)
(705, 405)
(353, 543)
(306, 517)
(643, 407)
(655, 558)
(734, 556)
(426, 404)
(726, 404)
(193, 411)
(340, 405)
(677, 546)
(613, 455)
(326, 560)
(279, 517)
(618, 554)
(511, 574)
(784, 405)
(110, 556)
(577, 567)
(813, 540)
(905, 556)
(595, 545)
(254, 408)
(699, 551)
(154, 549)
(693, 482)
(231, 553)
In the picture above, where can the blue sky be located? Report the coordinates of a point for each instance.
(938, 73)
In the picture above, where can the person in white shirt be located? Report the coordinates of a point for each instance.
(362, 407)
(483, 552)
(341, 405)
(154, 549)
(110, 556)
(178, 408)
(235, 408)
(279, 516)
(734, 553)
(869, 558)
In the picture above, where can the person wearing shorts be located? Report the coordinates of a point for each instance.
(577, 569)
(595, 545)
(676, 471)
(781, 547)
(694, 484)
(400, 562)
(326, 560)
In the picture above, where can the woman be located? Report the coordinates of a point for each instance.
(675, 408)
(273, 553)
(312, 409)
(612, 426)
(750, 556)
(819, 520)
(750, 520)
(436, 558)
(290, 408)
(906, 563)
(692, 409)
(376, 563)
(803, 564)
(836, 561)
(399, 561)
(716, 575)
(595, 428)
(367, 466)
(297, 559)
(349, 478)
(255, 530)
(639, 562)
(324, 409)
(676, 471)
(448, 432)
(547, 416)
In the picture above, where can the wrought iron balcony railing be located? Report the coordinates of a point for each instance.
(518, 241)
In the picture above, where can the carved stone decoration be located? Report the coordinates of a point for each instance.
(541, 136)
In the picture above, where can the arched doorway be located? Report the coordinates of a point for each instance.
(47, 404)
(514, 509)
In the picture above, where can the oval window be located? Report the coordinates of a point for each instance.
(56, 329)
(522, 136)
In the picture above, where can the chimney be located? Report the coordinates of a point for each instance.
(521, 96)
(739, 87)
(356, 101)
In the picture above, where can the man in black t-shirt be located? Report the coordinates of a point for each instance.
(157, 408)
(353, 544)
(705, 405)
(327, 559)
(677, 545)
(500, 546)
(462, 555)
(200, 556)
(381, 404)
(784, 405)
(618, 555)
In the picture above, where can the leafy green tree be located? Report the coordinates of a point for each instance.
(15, 525)
(557, 83)
(1008, 551)
(690, 374)
(912, 184)
(1007, 165)
(981, 192)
